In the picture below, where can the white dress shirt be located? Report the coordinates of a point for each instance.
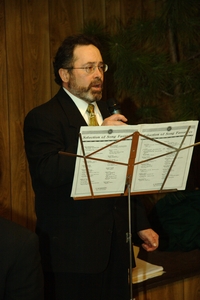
(82, 106)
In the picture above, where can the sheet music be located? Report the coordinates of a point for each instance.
(150, 175)
(100, 147)
(107, 177)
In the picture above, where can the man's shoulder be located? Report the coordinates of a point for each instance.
(54, 101)
(51, 108)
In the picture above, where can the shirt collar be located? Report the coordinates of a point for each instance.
(82, 107)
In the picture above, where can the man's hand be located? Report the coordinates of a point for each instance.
(150, 239)
(116, 119)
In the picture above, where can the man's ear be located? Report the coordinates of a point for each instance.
(64, 74)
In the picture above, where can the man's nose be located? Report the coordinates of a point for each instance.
(98, 72)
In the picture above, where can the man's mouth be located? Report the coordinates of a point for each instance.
(97, 86)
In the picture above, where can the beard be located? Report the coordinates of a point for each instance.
(86, 93)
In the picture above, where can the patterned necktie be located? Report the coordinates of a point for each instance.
(92, 116)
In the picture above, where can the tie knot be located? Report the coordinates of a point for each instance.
(90, 108)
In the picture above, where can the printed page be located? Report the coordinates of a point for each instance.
(170, 170)
(102, 143)
(162, 160)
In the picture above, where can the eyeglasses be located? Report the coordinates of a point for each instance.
(91, 68)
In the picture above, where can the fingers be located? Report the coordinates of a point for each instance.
(150, 239)
(149, 247)
(115, 120)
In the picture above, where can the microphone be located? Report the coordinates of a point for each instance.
(113, 106)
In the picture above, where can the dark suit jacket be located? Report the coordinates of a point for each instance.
(75, 236)
(20, 265)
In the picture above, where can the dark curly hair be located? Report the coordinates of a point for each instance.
(64, 57)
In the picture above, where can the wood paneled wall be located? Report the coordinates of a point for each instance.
(30, 33)
(186, 289)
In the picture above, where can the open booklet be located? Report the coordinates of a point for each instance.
(150, 157)
(144, 270)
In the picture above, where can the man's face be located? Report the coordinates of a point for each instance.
(86, 86)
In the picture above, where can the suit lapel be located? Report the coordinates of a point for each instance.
(103, 109)
(73, 114)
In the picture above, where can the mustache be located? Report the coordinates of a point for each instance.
(96, 82)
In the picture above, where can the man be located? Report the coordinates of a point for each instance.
(83, 243)
(21, 275)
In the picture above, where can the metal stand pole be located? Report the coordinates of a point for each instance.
(129, 240)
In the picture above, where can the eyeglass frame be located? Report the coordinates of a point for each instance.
(86, 68)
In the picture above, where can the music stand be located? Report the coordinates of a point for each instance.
(130, 170)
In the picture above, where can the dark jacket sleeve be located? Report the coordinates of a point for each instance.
(139, 216)
(45, 135)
